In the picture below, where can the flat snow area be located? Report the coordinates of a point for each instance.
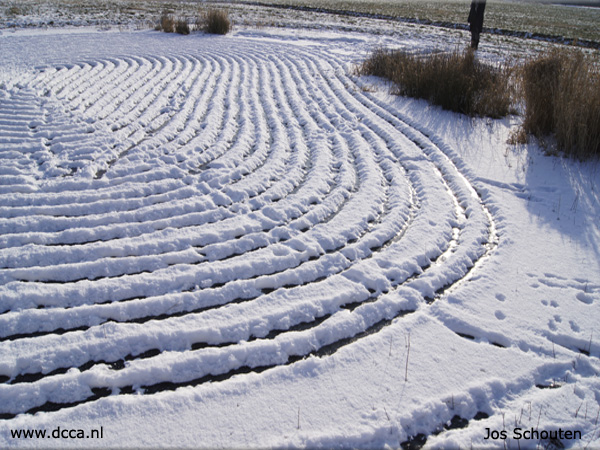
(237, 242)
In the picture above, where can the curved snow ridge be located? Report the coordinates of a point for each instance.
(190, 217)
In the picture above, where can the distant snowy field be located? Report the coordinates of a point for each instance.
(236, 242)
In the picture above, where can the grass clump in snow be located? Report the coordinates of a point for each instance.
(14, 11)
(214, 21)
(166, 23)
(182, 27)
(561, 92)
(456, 81)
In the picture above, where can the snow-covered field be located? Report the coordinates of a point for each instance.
(237, 242)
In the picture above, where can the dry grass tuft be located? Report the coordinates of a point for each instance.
(182, 27)
(214, 21)
(166, 23)
(456, 81)
(561, 90)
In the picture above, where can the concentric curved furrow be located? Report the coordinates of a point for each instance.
(169, 220)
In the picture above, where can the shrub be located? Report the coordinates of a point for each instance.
(166, 24)
(456, 81)
(561, 91)
(18, 10)
(216, 22)
(182, 27)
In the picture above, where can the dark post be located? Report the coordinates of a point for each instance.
(476, 21)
